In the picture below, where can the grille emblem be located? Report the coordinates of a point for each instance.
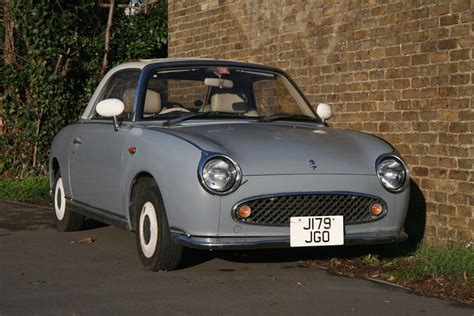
(312, 164)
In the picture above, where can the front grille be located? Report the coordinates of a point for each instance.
(277, 210)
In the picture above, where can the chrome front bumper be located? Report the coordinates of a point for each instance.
(216, 243)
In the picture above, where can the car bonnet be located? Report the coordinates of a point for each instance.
(282, 148)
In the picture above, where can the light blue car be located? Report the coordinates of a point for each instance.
(222, 155)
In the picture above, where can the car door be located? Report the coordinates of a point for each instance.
(97, 149)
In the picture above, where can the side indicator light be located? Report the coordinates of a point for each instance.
(132, 150)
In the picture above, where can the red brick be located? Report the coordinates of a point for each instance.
(459, 127)
(410, 48)
(461, 5)
(459, 54)
(420, 82)
(458, 222)
(447, 91)
(449, 20)
(447, 44)
(439, 9)
(446, 210)
(458, 198)
(439, 57)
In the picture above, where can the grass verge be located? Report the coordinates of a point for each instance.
(438, 272)
(435, 263)
(28, 189)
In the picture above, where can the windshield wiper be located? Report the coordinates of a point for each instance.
(276, 117)
(180, 119)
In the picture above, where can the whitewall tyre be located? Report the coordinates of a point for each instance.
(155, 248)
(59, 199)
(66, 220)
(148, 229)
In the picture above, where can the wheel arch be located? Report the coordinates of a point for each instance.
(54, 165)
(53, 169)
(141, 178)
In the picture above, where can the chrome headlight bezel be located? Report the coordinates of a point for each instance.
(233, 184)
(405, 180)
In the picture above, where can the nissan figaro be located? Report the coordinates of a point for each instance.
(212, 154)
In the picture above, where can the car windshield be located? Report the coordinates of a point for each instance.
(223, 92)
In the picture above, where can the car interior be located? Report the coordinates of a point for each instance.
(203, 90)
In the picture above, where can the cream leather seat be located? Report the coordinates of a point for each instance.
(152, 101)
(228, 102)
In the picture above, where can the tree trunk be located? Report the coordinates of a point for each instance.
(8, 53)
(9, 49)
(105, 63)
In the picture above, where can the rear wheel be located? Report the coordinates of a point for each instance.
(156, 249)
(66, 220)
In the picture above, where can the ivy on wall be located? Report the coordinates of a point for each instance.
(46, 82)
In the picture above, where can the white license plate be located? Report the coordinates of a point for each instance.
(308, 231)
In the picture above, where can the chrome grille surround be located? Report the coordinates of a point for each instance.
(276, 209)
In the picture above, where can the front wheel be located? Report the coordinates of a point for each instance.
(156, 249)
(66, 220)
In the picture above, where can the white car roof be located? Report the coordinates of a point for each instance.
(140, 64)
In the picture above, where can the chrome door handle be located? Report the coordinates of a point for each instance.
(77, 141)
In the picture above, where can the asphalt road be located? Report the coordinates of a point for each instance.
(41, 272)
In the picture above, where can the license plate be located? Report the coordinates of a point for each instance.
(306, 231)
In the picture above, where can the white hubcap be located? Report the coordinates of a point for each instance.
(148, 229)
(59, 200)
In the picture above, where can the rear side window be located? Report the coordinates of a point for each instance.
(121, 86)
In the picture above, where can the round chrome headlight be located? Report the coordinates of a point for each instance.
(220, 175)
(392, 173)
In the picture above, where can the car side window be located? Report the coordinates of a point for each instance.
(122, 86)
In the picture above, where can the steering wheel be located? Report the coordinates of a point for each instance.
(174, 110)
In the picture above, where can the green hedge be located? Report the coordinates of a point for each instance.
(28, 189)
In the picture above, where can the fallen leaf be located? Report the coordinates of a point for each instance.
(87, 240)
(392, 278)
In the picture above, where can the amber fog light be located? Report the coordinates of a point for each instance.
(376, 209)
(244, 211)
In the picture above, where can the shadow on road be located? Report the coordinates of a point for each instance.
(90, 224)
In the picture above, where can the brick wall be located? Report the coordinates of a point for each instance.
(398, 69)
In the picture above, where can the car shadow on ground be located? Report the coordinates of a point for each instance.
(91, 224)
(194, 257)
